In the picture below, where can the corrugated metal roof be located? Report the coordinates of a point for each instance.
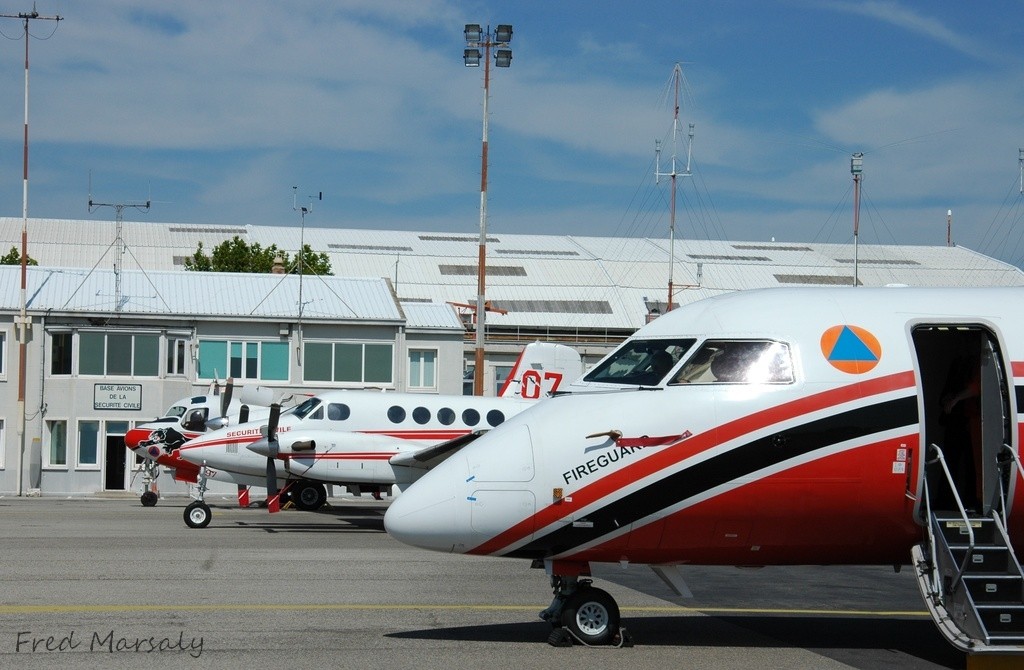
(208, 293)
(431, 316)
(540, 270)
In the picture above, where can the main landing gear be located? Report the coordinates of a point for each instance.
(308, 496)
(583, 613)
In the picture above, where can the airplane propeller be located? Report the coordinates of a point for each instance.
(225, 402)
(272, 450)
(225, 398)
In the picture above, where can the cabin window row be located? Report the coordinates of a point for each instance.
(397, 414)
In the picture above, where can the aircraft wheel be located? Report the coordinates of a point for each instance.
(149, 498)
(309, 496)
(197, 515)
(592, 615)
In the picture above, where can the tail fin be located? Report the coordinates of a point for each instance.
(540, 369)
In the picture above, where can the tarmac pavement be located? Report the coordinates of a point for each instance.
(105, 582)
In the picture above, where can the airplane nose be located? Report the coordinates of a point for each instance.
(134, 436)
(426, 514)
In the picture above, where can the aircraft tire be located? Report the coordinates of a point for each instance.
(148, 498)
(197, 515)
(309, 496)
(591, 615)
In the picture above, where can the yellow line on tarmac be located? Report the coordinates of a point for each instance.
(10, 610)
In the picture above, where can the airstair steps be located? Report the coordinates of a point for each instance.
(980, 591)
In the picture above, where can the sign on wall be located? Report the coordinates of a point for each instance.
(117, 396)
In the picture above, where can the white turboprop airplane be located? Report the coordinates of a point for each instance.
(366, 439)
(186, 419)
(797, 426)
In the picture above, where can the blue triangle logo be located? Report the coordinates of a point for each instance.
(849, 347)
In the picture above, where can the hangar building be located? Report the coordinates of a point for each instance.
(118, 330)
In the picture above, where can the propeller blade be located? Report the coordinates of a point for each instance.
(225, 398)
(271, 478)
(275, 416)
(243, 414)
(273, 498)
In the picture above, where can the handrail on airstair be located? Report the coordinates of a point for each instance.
(1020, 473)
(941, 460)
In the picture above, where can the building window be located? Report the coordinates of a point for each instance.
(118, 354)
(57, 454)
(243, 360)
(422, 369)
(501, 373)
(60, 353)
(3, 443)
(3, 354)
(88, 444)
(176, 348)
(348, 362)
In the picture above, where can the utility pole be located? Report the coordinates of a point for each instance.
(24, 17)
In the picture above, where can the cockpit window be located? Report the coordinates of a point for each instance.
(738, 362)
(301, 411)
(641, 362)
(176, 411)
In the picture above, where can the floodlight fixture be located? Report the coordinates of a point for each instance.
(473, 33)
(503, 58)
(503, 33)
(471, 57)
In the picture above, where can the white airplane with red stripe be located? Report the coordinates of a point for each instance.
(772, 427)
(370, 440)
(186, 419)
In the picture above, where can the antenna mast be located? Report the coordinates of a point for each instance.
(119, 245)
(303, 210)
(24, 17)
(856, 167)
(677, 75)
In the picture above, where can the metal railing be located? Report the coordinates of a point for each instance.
(941, 460)
(1014, 459)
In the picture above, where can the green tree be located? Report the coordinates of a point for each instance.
(13, 257)
(313, 263)
(236, 255)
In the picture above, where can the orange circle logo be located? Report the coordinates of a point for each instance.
(851, 349)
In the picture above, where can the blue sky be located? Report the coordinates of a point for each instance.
(216, 109)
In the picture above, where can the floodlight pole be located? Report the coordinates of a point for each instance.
(24, 17)
(476, 39)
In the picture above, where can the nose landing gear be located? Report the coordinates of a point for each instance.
(583, 613)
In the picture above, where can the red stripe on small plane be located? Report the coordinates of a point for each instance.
(340, 457)
(419, 434)
(692, 446)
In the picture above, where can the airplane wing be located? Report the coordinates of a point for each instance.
(430, 457)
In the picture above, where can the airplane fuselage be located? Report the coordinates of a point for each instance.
(815, 454)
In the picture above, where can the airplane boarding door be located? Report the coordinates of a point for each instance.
(965, 404)
(995, 419)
